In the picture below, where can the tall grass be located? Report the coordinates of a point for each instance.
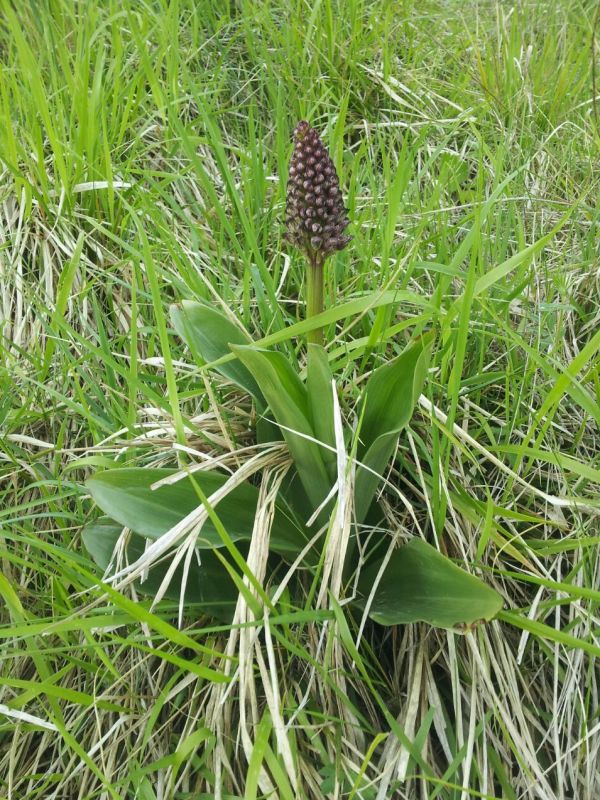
(144, 156)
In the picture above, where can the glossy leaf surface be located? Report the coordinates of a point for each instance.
(387, 406)
(208, 333)
(208, 582)
(320, 400)
(287, 398)
(419, 584)
(127, 496)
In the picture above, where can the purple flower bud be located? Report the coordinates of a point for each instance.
(315, 214)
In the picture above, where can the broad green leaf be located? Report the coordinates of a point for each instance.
(208, 333)
(100, 538)
(392, 392)
(288, 400)
(369, 474)
(386, 407)
(320, 400)
(126, 495)
(208, 582)
(419, 584)
(266, 429)
(336, 312)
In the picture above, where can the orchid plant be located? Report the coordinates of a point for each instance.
(296, 407)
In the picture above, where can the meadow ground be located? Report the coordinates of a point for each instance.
(144, 150)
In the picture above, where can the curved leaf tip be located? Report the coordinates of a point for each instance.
(419, 584)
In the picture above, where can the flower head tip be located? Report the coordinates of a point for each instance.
(315, 215)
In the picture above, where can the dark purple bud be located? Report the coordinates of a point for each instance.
(315, 214)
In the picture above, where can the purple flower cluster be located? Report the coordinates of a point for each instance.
(315, 215)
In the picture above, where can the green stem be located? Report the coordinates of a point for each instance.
(314, 297)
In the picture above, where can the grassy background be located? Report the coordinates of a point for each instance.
(144, 155)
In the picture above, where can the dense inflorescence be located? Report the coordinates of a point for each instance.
(315, 216)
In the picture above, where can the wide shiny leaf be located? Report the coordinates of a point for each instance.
(127, 496)
(386, 407)
(288, 400)
(208, 333)
(208, 582)
(320, 399)
(419, 584)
